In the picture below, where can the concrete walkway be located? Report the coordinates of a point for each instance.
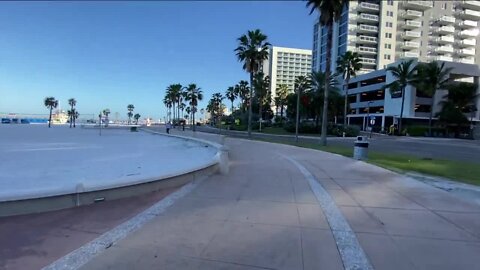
(267, 214)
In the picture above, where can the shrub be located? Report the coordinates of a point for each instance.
(418, 131)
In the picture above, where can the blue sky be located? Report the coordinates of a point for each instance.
(111, 54)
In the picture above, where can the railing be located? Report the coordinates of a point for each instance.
(411, 44)
(364, 60)
(367, 39)
(368, 28)
(369, 6)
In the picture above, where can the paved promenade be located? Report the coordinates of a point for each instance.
(283, 207)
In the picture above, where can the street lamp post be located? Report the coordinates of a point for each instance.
(368, 113)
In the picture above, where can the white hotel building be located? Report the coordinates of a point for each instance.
(385, 32)
(285, 64)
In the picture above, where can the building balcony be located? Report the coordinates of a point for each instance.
(421, 5)
(363, 28)
(366, 50)
(409, 54)
(368, 61)
(409, 24)
(445, 20)
(466, 43)
(443, 58)
(366, 40)
(411, 14)
(366, 70)
(465, 52)
(475, 5)
(444, 39)
(410, 45)
(466, 60)
(467, 24)
(468, 33)
(469, 14)
(364, 6)
(367, 18)
(445, 30)
(444, 49)
(411, 35)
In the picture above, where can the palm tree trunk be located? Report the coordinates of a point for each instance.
(232, 107)
(431, 116)
(193, 119)
(74, 120)
(50, 117)
(259, 115)
(346, 104)
(323, 136)
(281, 113)
(249, 128)
(297, 117)
(401, 111)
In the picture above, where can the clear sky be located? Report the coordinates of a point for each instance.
(111, 54)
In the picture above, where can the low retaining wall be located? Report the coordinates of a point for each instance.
(81, 197)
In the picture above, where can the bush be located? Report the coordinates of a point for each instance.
(337, 130)
(418, 131)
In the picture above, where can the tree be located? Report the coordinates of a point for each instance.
(348, 64)
(136, 117)
(106, 112)
(231, 95)
(460, 100)
(215, 107)
(174, 94)
(243, 92)
(71, 113)
(261, 84)
(51, 103)
(194, 94)
(301, 84)
(318, 80)
(282, 93)
(168, 104)
(130, 109)
(430, 78)
(404, 75)
(330, 12)
(252, 51)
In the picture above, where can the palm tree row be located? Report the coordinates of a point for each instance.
(215, 107)
(175, 95)
(51, 103)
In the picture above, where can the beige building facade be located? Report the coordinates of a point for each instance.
(383, 32)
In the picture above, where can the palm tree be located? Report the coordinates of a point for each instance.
(348, 64)
(243, 90)
(130, 109)
(330, 12)
(302, 83)
(231, 95)
(318, 80)
(404, 75)
(72, 102)
(136, 117)
(168, 104)
(252, 51)
(282, 93)
(262, 88)
(174, 93)
(106, 112)
(430, 78)
(194, 94)
(460, 100)
(51, 103)
(215, 107)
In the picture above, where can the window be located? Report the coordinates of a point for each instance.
(390, 13)
(388, 35)
(389, 24)
(444, 6)
(386, 56)
(388, 46)
(390, 2)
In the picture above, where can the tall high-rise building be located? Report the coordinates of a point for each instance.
(285, 64)
(383, 32)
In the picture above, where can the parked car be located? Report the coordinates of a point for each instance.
(6, 121)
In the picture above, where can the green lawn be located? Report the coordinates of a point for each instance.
(459, 171)
(282, 131)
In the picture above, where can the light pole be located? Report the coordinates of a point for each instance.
(368, 113)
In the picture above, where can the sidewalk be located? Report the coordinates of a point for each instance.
(266, 214)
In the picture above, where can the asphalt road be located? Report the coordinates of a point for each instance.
(432, 148)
